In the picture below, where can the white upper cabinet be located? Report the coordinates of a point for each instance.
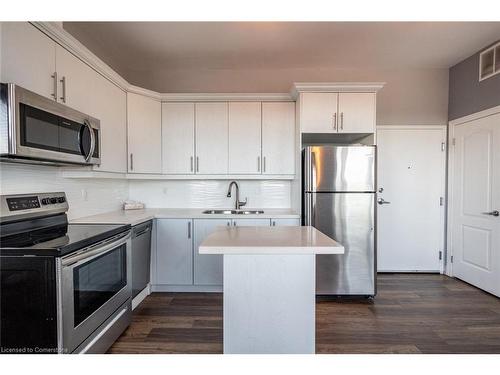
(75, 81)
(28, 58)
(109, 105)
(178, 138)
(278, 138)
(211, 138)
(318, 112)
(356, 112)
(144, 134)
(345, 112)
(245, 137)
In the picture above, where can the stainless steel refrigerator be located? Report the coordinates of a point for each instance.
(339, 200)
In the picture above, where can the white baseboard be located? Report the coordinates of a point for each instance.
(187, 288)
(140, 297)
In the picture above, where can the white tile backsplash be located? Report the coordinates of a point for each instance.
(210, 193)
(85, 196)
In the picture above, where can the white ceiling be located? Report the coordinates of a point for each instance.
(132, 47)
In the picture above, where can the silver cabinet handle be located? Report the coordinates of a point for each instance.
(131, 162)
(228, 223)
(274, 223)
(234, 223)
(191, 161)
(54, 94)
(264, 164)
(492, 213)
(335, 121)
(382, 201)
(63, 82)
(197, 164)
(341, 120)
(258, 163)
(189, 229)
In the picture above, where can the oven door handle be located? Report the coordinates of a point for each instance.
(94, 251)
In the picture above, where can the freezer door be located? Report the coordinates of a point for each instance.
(339, 168)
(349, 219)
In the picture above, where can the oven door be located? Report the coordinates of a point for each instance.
(95, 283)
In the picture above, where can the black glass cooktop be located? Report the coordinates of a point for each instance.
(55, 238)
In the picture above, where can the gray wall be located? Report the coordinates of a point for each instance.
(468, 95)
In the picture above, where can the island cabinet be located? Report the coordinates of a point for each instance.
(330, 112)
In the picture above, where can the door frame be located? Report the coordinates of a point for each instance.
(451, 175)
(443, 215)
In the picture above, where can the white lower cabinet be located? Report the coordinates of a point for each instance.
(207, 267)
(285, 222)
(174, 252)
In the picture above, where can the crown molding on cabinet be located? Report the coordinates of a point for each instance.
(299, 87)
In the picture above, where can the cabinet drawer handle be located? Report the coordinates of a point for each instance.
(341, 120)
(335, 121)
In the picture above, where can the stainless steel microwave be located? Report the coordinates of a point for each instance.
(35, 129)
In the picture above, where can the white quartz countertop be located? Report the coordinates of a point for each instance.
(134, 217)
(269, 240)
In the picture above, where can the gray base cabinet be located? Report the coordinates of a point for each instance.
(179, 266)
(174, 252)
(207, 267)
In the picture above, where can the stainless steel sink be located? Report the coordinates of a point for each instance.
(233, 212)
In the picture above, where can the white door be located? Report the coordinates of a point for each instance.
(76, 80)
(177, 138)
(356, 112)
(411, 175)
(278, 138)
(245, 123)
(144, 134)
(109, 104)
(475, 224)
(318, 111)
(28, 58)
(211, 138)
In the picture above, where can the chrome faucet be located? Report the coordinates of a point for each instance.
(237, 202)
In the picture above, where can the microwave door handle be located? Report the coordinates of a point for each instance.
(92, 141)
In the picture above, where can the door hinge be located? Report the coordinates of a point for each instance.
(441, 201)
(443, 146)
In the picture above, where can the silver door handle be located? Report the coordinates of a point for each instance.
(197, 164)
(264, 164)
(492, 213)
(63, 82)
(382, 201)
(189, 229)
(258, 163)
(54, 94)
(131, 162)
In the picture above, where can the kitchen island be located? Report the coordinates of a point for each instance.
(269, 286)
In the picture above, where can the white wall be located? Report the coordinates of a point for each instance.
(210, 193)
(102, 195)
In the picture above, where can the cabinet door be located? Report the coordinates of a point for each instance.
(177, 124)
(285, 222)
(109, 105)
(251, 222)
(356, 113)
(28, 58)
(278, 138)
(207, 267)
(75, 81)
(144, 134)
(245, 124)
(174, 252)
(211, 138)
(317, 112)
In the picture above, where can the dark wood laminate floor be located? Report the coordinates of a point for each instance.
(412, 313)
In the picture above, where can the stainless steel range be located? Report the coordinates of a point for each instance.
(65, 288)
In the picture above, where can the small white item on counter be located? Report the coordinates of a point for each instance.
(133, 205)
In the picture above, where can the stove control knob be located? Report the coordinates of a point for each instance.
(53, 200)
(61, 200)
(45, 201)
